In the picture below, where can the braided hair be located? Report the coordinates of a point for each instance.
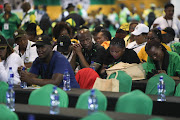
(157, 32)
(118, 42)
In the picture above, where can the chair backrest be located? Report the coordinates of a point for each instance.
(41, 96)
(135, 102)
(3, 89)
(156, 118)
(177, 92)
(151, 87)
(125, 81)
(97, 116)
(86, 78)
(6, 114)
(82, 102)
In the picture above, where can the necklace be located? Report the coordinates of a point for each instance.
(169, 24)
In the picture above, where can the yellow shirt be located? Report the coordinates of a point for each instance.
(143, 55)
(105, 44)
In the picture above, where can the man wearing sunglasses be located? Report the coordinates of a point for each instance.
(8, 59)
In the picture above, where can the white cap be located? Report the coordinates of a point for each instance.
(140, 28)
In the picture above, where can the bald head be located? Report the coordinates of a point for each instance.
(84, 32)
(85, 38)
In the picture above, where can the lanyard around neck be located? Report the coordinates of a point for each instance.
(168, 23)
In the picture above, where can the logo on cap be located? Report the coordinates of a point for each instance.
(61, 44)
(40, 39)
(16, 33)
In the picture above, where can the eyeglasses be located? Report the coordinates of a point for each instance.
(3, 47)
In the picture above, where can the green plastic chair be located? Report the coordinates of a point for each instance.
(156, 118)
(151, 87)
(42, 96)
(3, 89)
(125, 81)
(97, 116)
(6, 114)
(135, 102)
(82, 102)
(177, 92)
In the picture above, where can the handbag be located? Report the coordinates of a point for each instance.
(134, 70)
(107, 84)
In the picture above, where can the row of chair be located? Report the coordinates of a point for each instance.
(128, 103)
(125, 103)
(86, 78)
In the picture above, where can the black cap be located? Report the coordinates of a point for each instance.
(69, 6)
(19, 33)
(3, 40)
(43, 40)
(63, 43)
(170, 31)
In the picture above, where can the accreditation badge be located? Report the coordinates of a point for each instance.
(6, 26)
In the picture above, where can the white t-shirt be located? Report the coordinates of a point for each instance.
(13, 61)
(162, 23)
(30, 54)
(133, 45)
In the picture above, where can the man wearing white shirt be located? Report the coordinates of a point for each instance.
(168, 20)
(140, 35)
(27, 53)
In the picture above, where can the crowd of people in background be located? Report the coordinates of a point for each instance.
(46, 48)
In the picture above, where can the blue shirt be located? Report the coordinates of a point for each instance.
(58, 64)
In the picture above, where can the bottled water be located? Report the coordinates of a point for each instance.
(92, 103)
(23, 84)
(54, 105)
(10, 98)
(66, 81)
(92, 65)
(10, 76)
(161, 90)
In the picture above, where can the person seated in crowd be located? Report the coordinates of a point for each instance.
(120, 33)
(50, 65)
(9, 22)
(64, 46)
(104, 38)
(86, 51)
(153, 35)
(130, 37)
(168, 35)
(123, 32)
(140, 36)
(161, 61)
(118, 53)
(9, 59)
(168, 20)
(62, 28)
(95, 31)
(32, 31)
(27, 53)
